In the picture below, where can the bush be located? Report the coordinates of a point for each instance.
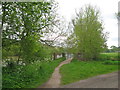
(110, 62)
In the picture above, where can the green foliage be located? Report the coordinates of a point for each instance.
(79, 70)
(11, 50)
(29, 76)
(110, 62)
(25, 19)
(114, 49)
(24, 24)
(30, 46)
(88, 33)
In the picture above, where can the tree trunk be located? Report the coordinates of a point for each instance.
(63, 54)
(54, 56)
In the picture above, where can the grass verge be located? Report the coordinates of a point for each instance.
(79, 70)
(29, 76)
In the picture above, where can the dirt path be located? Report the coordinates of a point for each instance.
(54, 81)
(101, 81)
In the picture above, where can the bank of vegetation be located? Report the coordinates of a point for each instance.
(28, 56)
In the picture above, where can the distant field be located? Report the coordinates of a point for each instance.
(109, 56)
(78, 70)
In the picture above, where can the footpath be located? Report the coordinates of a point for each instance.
(54, 81)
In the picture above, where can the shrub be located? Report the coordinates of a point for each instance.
(110, 62)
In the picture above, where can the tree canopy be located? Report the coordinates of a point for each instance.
(88, 37)
(24, 24)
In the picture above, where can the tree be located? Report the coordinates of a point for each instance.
(114, 48)
(118, 15)
(55, 32)
(88, 31)
(24, 23)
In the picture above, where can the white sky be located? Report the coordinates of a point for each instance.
(108, 8)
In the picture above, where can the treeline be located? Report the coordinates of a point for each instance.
(113, 49)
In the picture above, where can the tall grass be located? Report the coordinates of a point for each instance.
(29, 76)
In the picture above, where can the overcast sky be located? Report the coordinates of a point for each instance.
(108, 8)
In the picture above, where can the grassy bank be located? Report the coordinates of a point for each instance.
(29, 76)
(78, 70)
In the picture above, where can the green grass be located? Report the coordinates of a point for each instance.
(78, 70)
(109, 56)
(29, 76)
